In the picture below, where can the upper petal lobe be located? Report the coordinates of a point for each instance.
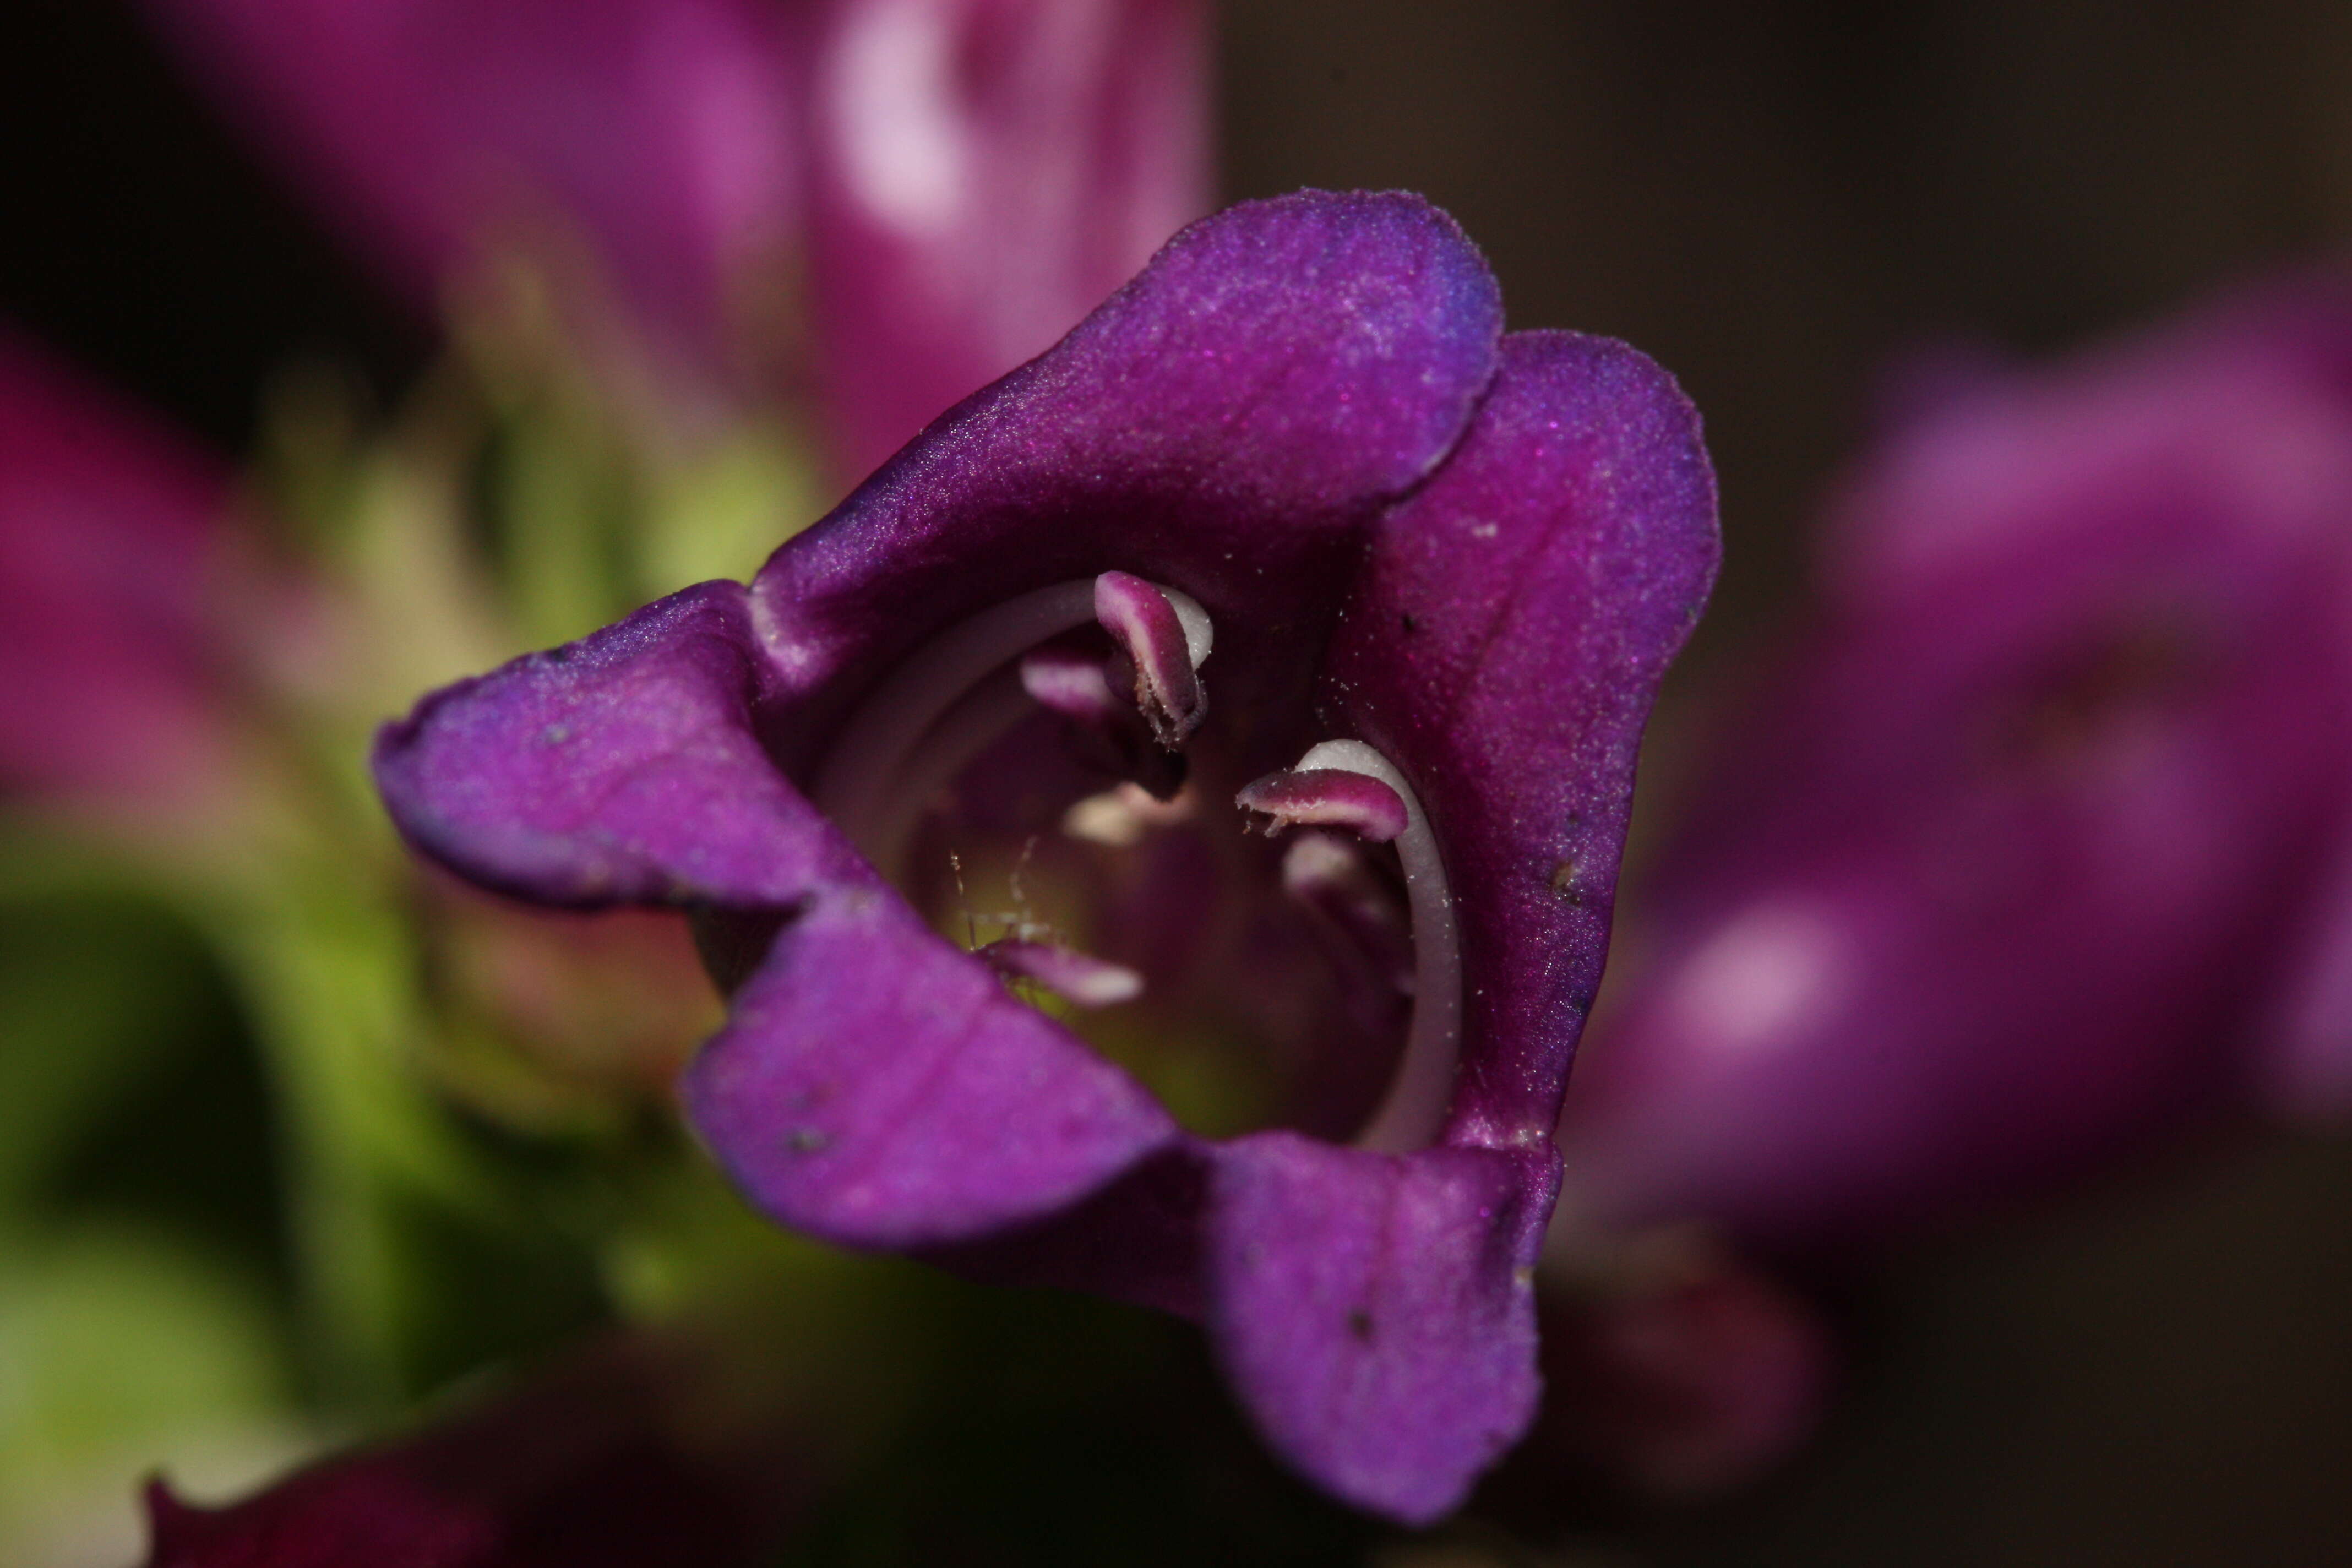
(1225, 424)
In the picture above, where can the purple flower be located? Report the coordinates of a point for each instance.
(1676, 1371)
(1290, 488)
(2031, 849)
(114, 694)
(628, 1453)
(966, 177)
(980, 173)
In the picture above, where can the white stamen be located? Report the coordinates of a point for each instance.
(1423, 1089)
(868, 781)
(863, 767)
(1081, 979)
(1200, 633)
(949, 746)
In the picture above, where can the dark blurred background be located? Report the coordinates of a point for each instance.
(1776, 200)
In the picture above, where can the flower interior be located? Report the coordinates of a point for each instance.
(1049, 782)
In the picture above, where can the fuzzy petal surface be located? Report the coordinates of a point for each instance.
(1377, 1311)
(1502, 647)
(1225, 424)
(621, 769)
(877, 1087)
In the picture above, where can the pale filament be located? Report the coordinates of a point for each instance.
(966, 730)
(878, 776)
(1414, 1108)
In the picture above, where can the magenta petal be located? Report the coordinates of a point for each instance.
(877, 1087)
(621, 769)
(1680, 1370)
(1502, 648)
(1995, 878)
(2305, 1069)
(966, 178)
(1377, 1311)
(984, 171)
(665, 132)
(110, 540)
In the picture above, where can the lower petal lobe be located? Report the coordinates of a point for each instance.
(876, 1085)
(1376, 1312)
(621, 769)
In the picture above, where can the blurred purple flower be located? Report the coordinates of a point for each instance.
(621, 1456)
(1676, 1369)
(2032, 848)
(961, 179)
(114, 545)
(982, 172)
(1469, 557)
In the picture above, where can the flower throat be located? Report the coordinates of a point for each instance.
(1131, 713)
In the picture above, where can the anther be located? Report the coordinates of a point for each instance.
(1121, 817)
(1074, 684)
(1081, 979)
(1163, 636)
(1326, 797)
(906, 726)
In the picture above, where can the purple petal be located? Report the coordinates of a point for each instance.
(2306, 1071)
(1377, 1311)
(1222, 425)
(879, 1088)
(625, 769)
(621, 769)
(665, 132)
(1236, 426)
(1502, 649)
(113, 542)
(984, 173)
(967, 178)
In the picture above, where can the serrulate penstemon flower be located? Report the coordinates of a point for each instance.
(953, 183)
(1287, 517)
(2030, 854)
